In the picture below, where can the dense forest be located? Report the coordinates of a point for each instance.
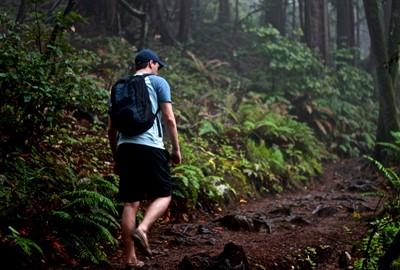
(264, 92)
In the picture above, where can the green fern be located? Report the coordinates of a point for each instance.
(191, 177)
(386, 226)
(190, 184)
(87, 218)
(390, 175)
(88, 198)
(86, 249)
(27, 245)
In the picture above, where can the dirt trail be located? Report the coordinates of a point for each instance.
(314, 226)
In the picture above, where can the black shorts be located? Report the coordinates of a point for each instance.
(144, 172)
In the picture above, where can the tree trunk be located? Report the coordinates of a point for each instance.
(388, 120)
(274, 14)
(359, 11)
(394, 42)
(345, 24)
(294, 15)
(102, 14)
(56, 30)
(324, 45)
(345, 27)
(184, 20)
(142, 16)
(159, 24)
(391, 254)
(21, 12)
(236, 23)
(387, 12)
(223, 12)
(301, 17)
(316, 28)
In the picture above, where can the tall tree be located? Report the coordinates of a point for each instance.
(301, 14)
(386, 74)
(21, 11)
(224, 12)
(138, 14)
(274, 14)
(103, 13)
(394, 40)
(316, 27)
(345, 26)
(158, 22)
(184, 20)
(359, 15)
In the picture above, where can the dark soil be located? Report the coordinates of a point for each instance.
(314, 227)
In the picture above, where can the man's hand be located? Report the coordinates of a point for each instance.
(176, 158)
(115, 169)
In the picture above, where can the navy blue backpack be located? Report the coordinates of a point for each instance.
(131, 111)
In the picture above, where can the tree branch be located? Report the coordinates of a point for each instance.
(137, 13)
(57, 28)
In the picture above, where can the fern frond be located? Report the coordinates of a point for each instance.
(63, 215)
(87, 217)
(199, 65)
(207, 128)
(102, 186)
(389, 174)
(394, 179)
(182, 178)
(266, 124)
(98, 218)
(88, 198)
(85, 248)
(92, 223)
(24, 243)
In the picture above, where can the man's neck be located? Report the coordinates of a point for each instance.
(143, 71)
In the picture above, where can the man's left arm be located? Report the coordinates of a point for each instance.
(112, 139)
(171, 130)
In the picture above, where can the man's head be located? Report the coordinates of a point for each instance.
(145, 56)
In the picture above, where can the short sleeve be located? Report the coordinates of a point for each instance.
(162, 88)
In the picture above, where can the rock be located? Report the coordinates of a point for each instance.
(199, 261)
(286, 211)
(344, 259)
(238, 222)
(254, 222)
(324, 211)
(232, 257)
(295, 220)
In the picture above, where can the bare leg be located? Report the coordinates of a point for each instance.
(128, 225)
(156, 209)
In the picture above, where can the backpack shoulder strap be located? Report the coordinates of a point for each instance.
(158, 108)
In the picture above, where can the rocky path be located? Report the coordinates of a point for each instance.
(315, 227)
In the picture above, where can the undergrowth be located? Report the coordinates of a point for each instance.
(242, 135)
(381, 247)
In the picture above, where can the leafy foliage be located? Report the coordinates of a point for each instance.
(386, 226)
(245, 131)
(190, 182)
(338, 102)
(36, 92)
(27, 245)
(84, 220)
(56, 207)
(42, 190)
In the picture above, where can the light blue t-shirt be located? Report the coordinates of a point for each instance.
(160, 92)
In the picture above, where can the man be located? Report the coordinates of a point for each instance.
(143, 163)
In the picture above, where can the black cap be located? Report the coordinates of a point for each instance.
(146, 55)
